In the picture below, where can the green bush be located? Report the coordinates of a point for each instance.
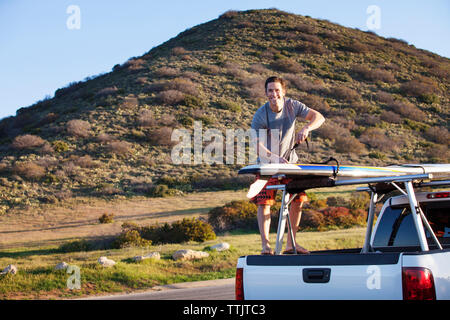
(130, 238)
(75, 246)
(60, 146)
(179, 231)
(106, 218)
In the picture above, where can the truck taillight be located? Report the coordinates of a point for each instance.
(438, 195)
(239, 287)
(418, 284)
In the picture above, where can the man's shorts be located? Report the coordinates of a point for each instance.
(267, 197)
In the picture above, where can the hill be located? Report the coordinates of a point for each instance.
(385, 102)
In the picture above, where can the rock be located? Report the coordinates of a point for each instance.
(10, 269)
(187, 254)
(152, 255)
(61, 266)
(221, 246)
(105, 262)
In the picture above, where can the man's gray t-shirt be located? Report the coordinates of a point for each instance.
(284, 121)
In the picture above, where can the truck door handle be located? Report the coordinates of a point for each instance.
(316, 275)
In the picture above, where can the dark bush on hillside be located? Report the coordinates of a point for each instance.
(107, 91)
(119, 147)
(146, 119)
(286, 65)
(438, 134)
(29, 170)
(348, 144)
(78, 128)
(253, 88)
(312, 47)
(161, 137)
(27, 141)
(315, 102)
(166, 72)
(183, 85)
(390, 116)
(372, 75)
(330, 130)
(384, 97)
(419, 87)
(355, 47)
(408, 110)
(375, 138)
(344, 94)
(170, 97)
(179, 51)
(233, 215)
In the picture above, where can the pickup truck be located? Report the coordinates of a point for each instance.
(406, 256)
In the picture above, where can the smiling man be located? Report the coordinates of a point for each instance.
(278, 117)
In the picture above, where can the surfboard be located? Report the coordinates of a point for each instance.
(302, 171)
(288, 169)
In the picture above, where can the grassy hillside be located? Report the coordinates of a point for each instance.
(385, 101)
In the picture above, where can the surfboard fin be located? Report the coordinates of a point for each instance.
(256, 187)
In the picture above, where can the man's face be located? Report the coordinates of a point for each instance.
(275, 94)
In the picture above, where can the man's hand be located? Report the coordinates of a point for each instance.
(302, 135)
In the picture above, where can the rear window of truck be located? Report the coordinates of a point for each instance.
(396, 227)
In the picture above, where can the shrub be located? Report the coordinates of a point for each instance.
(179, 51)
(179, 231)
(130, 238)
(311, 219)
(313, 48)
(438, 134)
(161, 190)
(375, 138)
(344, 94)
(161, 137)
(60, 146)
(27, 141)
(107, 91)
(79, 128)
(408, 110)
(29, 170)
(106, 218)
(193, 101)
(166, 72)
(419, 87)
(170, 97)
(75, 246)
(183, 85)
(316, 102)
(229, 105)
(119, 147)
(390, 116)
(146, 119)
(129, 102)
(233, 215)
(373, 75)
(355, 47)
(348, 144)
(287, 65)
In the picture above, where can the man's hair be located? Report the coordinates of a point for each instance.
(275, 79)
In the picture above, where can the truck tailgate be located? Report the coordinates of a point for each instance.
(323, 276)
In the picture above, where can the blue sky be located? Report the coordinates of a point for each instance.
(39, 53)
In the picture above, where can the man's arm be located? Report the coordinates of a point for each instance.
(316, 119)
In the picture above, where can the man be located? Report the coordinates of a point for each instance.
(278, 116)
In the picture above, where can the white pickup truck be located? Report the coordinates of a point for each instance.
(406, 256)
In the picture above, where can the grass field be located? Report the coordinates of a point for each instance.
(37, 279)
(30, 241)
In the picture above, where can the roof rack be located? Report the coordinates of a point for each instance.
(377, 185)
